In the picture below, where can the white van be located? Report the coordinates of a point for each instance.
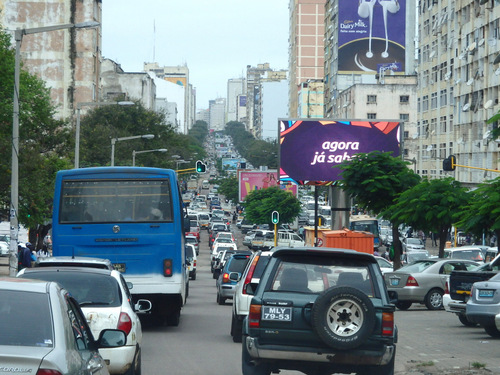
(205, 184)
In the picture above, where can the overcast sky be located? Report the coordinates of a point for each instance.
(216, 39)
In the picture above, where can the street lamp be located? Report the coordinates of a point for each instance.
(14, 188)
(180, 162)
(142, 152)
(114, 140)
(77, 129)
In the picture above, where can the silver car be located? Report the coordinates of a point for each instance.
(483, 307)
(424, 281)
(43, 330)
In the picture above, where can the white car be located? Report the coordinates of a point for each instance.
(106, 302)
(410, 244)
(4, 248)
(191, 260)
(384, 264)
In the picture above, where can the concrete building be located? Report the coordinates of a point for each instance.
(178, 75)
(459, 77)
(119, 85)
(311, 99)
(217, 120)
(203, 115)
(241, 109)
(306, 49)
(274, 106)
(235, 88)
(67, 60)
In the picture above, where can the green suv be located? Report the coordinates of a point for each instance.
(320, 311)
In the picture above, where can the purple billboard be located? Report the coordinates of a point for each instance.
(372, 36)
(309, 149)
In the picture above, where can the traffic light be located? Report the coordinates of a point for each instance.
(275, 217)
(200, 167)
(449, 163)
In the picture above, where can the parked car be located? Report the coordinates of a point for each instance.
(58, 340)
(465, 252)
(411, 244)
(230, 275)
(483, 306)
(241, 299)
(191, 260)
(4, 248)
(424, 281)
(106, 302)
(321, 311)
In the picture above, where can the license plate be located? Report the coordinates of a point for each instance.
(119, 267)
(486, 293)
(394, 282)
(275, 313)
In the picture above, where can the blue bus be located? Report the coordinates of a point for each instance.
(132, 216)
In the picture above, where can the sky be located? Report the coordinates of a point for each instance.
(216, 39)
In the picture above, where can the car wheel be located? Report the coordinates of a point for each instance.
(193, 276)
(220, 300)
(343, 317)
(492, 330)
(466, 322)
(236, 329)
(403, 305)
(250, 368)
(173, 319)
(387, 369)
(434, 299)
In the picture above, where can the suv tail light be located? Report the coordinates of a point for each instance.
(167, 268)
(388, 324)
(446, 288)
(411, 281)
(125, 323)
(250, 273)
(254, 316)
(225, 278)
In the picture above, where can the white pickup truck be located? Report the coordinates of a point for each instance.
(264, 240)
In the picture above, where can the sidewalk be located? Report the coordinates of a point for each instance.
(4, 266)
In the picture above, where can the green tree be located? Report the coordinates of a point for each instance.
(430, 206)
(44, 144)
(259, 205)
(375, 180)
(481, 212)
(228, 187)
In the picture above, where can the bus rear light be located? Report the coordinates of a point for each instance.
(388, 324)
(167, 268)
(254, 316)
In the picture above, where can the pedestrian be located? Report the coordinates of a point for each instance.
(301, 232)
(43, 252)
(26, 256)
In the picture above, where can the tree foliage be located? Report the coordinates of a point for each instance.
(259, 205)
(482, 213)
(375, 180)
(228, 187)
(430, 206)
(44, 143)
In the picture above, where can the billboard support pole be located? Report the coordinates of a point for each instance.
(315, 216)
(341, 208)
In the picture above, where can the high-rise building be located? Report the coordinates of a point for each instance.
(67, 60)
(217, 119)
(306, 49)
(235, 88)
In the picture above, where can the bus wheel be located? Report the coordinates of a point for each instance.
(174, 318)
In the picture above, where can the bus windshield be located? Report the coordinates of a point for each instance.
(365, 226)
(115, 200)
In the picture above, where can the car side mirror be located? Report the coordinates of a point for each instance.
(111, 338)
(393, 296)
(143, 305)
(234, 276)
(129, 285)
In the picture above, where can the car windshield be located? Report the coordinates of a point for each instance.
(191, 240)
(417, 266)
(25, 319)
(89, 289)
(475, 254)
(315, 276)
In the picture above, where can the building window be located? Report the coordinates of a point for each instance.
(371, 99)
(371, 116)
(425, 103)
(404, 116)
(443, 98)
(404, 98)
(406, 134)
(434, 101)
(442, 124)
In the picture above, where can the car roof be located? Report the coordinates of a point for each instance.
(61, 261)
(322, 251)
(24, 285)
(88, 270)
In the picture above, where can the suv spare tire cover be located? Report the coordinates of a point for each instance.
(343, 317)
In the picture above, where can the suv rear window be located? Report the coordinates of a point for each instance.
(316, 277)
(237, 264)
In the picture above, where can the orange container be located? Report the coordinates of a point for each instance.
(348, 239)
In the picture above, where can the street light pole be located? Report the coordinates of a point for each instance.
(14, 186)
(114, 140)
(77, 128)
(142, 152)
